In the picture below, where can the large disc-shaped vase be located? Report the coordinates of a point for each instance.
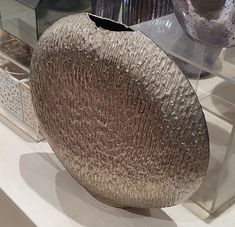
(118, 113)
(211, 22)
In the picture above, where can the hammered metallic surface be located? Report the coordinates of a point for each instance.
(118, 113)
(211, 22)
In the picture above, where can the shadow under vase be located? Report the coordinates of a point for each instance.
(45, 175)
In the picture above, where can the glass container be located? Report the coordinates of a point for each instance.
(16, 109)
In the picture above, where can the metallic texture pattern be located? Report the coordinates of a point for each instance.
(118, 113)
(211, 22)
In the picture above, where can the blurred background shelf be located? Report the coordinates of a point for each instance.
(16, 108)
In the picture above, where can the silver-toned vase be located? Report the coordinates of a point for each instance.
(211, 22)
(118, 113)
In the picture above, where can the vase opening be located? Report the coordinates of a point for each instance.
(109, 24)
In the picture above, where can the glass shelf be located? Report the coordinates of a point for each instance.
(216, 92)
(168, 34)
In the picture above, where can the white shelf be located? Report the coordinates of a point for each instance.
(33, 179)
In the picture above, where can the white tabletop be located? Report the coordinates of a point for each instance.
(33, 178)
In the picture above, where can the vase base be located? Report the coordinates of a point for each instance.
(108, 202)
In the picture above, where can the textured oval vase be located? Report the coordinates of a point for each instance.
(118, 113)
(211, 22)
